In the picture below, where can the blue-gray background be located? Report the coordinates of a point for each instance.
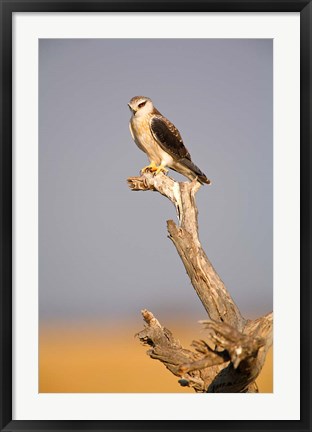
(103, 250)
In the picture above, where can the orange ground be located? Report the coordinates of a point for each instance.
(90, 359)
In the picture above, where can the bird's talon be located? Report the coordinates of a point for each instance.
(149, 168)
(161, 169)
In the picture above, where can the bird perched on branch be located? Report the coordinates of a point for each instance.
(161, 141)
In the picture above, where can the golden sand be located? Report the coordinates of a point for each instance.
(94, 359)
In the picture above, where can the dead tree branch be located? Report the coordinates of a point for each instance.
(232, 356)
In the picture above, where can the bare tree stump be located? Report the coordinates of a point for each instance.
(233, 354)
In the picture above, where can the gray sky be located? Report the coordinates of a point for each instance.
(103, 250)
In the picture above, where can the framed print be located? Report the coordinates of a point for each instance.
(105, 323)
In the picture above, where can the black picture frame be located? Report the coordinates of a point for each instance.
(8, 7)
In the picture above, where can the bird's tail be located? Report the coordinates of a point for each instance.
(195, 171)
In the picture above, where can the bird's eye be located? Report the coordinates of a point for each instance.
(142, 104)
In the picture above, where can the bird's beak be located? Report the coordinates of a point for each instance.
(131, 109)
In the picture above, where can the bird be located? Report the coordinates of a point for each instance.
(155, 135)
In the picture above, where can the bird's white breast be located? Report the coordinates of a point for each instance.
(141, 133)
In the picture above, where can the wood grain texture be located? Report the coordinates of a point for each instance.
(233, 353)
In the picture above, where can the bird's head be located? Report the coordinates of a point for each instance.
(140, 105)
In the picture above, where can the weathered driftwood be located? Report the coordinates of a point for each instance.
(233, 353)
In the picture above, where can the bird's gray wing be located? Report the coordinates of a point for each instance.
(170, 140)
(168, 137)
